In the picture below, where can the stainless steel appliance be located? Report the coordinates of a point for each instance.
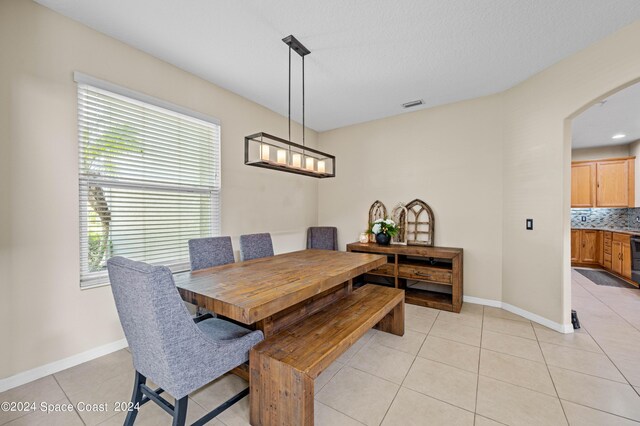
(635, 259)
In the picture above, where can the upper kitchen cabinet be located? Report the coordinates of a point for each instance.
(604, 183)
(583, 185)
(615, 183)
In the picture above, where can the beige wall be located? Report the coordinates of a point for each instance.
(484, 166)
(44, 314)
(534, 163)
(456, 169)
(5, 207)
(537, 168)
(600, 152)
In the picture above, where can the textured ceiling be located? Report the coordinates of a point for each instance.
(619, 114)
(367, 56)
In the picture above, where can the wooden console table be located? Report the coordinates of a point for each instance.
(430, 276)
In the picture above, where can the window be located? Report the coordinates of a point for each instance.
(149, 178)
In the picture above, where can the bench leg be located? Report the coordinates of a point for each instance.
(393, 322)
(280, 395)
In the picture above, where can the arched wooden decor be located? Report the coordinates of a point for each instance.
(399, 216)
(420, 224)
(377, 211)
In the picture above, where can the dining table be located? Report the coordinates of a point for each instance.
(274, 292)
(280, 293)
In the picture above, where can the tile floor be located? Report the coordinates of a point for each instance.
(484, 366)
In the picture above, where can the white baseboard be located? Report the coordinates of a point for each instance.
(560, 328)
(56, 366)
(480, 301)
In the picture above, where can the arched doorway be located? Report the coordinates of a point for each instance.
(601, 137)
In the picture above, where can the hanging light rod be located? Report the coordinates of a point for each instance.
(271, 152)
(295, 44)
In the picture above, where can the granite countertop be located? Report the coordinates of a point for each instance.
(619, 230)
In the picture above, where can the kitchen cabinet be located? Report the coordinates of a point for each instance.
(585, 246)
(626, 260)
(575, 245)
(607, 249)
(589, 240)
(583, 185)
(621, 255)
(603, 183)
(616, 257)
(613, 184)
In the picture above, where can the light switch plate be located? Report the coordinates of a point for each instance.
(529, 224)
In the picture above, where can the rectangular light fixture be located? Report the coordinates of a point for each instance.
(271, 152)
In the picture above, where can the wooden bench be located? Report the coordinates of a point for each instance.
(283, 367)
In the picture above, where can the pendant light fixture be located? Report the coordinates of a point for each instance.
(271, 152)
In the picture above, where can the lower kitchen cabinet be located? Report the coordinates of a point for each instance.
(616, 257)
(626, 260)
(586, 246)
(606, 249)
(575, 245)
(589, 249)
(621, 255)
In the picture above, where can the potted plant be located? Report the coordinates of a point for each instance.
(383, 229)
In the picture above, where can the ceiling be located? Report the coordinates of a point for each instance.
(367, 56)
(618, 114)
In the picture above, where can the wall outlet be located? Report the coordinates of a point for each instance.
(583, 218)
(529, 224)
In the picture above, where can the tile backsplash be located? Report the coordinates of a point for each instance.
(606, 218)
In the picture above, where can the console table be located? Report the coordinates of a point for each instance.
(430, 276)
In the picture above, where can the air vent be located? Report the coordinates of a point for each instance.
(413, 104)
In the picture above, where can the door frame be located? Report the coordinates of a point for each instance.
(566, 272)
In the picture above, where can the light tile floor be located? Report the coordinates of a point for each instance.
(485, 366)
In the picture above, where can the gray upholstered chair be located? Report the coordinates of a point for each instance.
(168, 346)
(255, 246)
(322, 237)
(209, 252)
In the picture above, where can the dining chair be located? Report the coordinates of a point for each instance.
(170, 348)
(209, 252)
(322, 237)
(255, 246)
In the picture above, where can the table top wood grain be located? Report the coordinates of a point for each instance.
(253, 290)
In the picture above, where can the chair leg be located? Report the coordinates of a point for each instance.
(136, 397)
(180, 411)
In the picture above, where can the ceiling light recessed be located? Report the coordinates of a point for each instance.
(618, 136)
(413, 103)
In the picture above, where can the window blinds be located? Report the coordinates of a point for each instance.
(149, 181)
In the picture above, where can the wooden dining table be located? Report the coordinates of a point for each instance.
(275, 292)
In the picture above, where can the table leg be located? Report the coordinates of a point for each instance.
(241, 371)
(296, 313)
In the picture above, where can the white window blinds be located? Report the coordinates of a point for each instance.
(149, 181)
